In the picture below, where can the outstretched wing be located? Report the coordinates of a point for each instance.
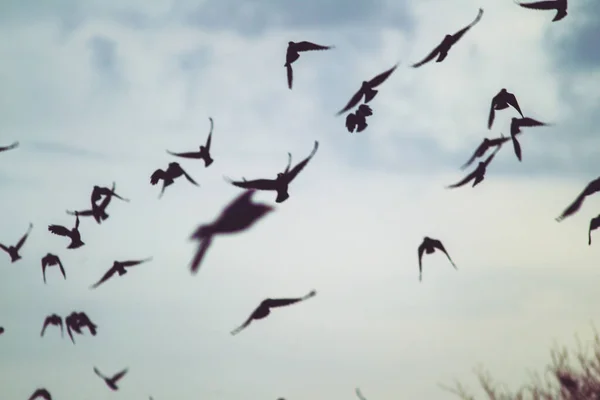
(420, 251)
(512, 100)
(156, 176)
(456, 37)
(259, 184)
(480, 151)
(119, 375)
(516, 147)
(46, 323)
(191, 154)
(308, 46)
(429, 57)
(209, 139)
(492, 114)
(438, 245)
(359, 394)
(59, 230)
(296, 170)
(351, 122)
(379, 79)
(107, 275)
(539, 5)
(491, 157)
(290, 75)
(135, 262)
(464, 181)
(189, 178)
(244, 325)
(353, 101)
(24, 238)
(10, 146)
(528, 122)
(99, 373)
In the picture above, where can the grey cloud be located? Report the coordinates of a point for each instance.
(103, 54)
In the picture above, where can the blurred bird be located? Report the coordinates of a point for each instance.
(204, 153)
(111, 382)
(72, 234)
(594, 224)
(591, 188)
(55, 320)
(9, 147)
(292, 55)
(559, 5)
(358, 119)
(441, 51)
(99, 211)
(99, 191)
(359, 394)
(239, 215)
(52, 260)
(502, 101)
(367, 90)
(118, 267)
(429, 246)
(478, 174)
(483, 148)
(1, 330)
(41, 394)
(515, 128)
(168, 176)
(77, 320)
(279, 184)
(264, 309)
(13, 251)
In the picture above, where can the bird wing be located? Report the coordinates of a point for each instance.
(480, 151)
(492, 114)
(45, 325)
(379, 79)
(191, 154)
(540, 5)
(10, 146)
(309, 46)
(594, 224)
(3, 247)
(290, 75)
(62, 330)
(119, 375)
(529, 122)
(516, 147)
(107, 275)
(353, 101)
(135, 262)
(200, 253)
(244, 325)
(351, 122)
(59, 230)
(296, 170)
(259, 184)
(62, 269)
(499, 141)
(438, 245)
(464, 181)
(22, 240)
(456, 37)
(592, 187)
(99, 373)
(512, 100)
(364, 110)
(491, 157)
(189, 178)
(359, 394)
(429, 57)
(420, 251)
(69, 327)
(209, 139)
(156, 176)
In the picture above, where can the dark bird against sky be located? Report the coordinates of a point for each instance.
(429, 246)
(483, 148)
(53, 319)
(515, 128)
(292, 54)
(594, 224)
(204, 151)
(591, 188)
(479, 173)
(41, 394)
(13, 251)
(502, 101)
(111, 382)
(358, 119)
(120, 268)
(169, 175)
(9, 147)
(559, 5)
(52, 260)
(72, 234)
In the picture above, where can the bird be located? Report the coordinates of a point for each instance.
(52, 260)
(591, 188)
(53, 319)
(203, 153)
(428, 246)
(358, 119)
(359, 394)
(292, 54)
(281, 183)
(478, 174)
(111, 382)
(72, 234)
(483, 148)
(13, 251)
(367, 89)
(594, 224)
(169, 175)
(515, 128)
(77, 320)
(559, 5)
(99, 211)
(99, 191)
(239, 215)
(264, 309)
(1, 330)
(502, 101)
(9, 147)
(441, 51)
(41, 394)
(118, 267)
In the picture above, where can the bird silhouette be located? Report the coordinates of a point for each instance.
(239, 215)
(358, 119)
(41, 394)
(367, 90)
(264, 309)
(204, 153)
(591, 188)
(111, 382)
(479, 173)
(281, 183)
(502, 101)
(168, 176)
(441, 51)
(77, 320)
(515, 128)
(13, 251)
(52, 260)
(429, 246)
(483, 148)
(118, 267)
(559, 5)
(359, 394)
(55, 320)
(99, 191)
(9, 147)
(72, 234)
(1, 330)
(594, 224)
(292, 54)
(99, 210)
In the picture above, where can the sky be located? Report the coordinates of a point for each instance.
(96, 91)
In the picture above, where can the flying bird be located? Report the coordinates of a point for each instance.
(77, 320)
(204, 153)
(118, 267)
(594, 224)
(41, 394)
(359, 394)
(367, 89)
(13, 251)
(441, 51)
(9, 147)
(428, 246)
(264, 309)
(72, 234)
(591, 188)
(478, 174)
(559, 5)
(99, 210)
(358, 119)
(55, 320)
(281, 183)
(483, 148)
(111, 382)
(99, 191)
(239, 215)
(292, 55)
(52, 260)
(168, 176)
(1, 330)
(515, 128)
(502, 101)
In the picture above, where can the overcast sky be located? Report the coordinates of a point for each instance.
(96, 91)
